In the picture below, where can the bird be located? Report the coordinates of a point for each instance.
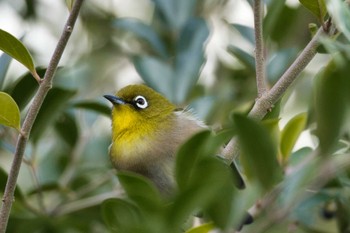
(147, 131)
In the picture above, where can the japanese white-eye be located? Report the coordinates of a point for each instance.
(147, 131)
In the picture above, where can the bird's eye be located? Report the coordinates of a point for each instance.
(141, 102)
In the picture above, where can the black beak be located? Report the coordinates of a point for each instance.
(115, 99)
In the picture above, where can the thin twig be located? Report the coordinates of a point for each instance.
(31, 116)
(259, 48)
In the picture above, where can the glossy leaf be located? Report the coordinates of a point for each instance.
(259, 154)
(52, 107)
(330, 100)
(121, 216)
(67, 127)
(246, 59)
(176, 13)
(291, 133)
(24, 88)
(246, 32)
(4, 65)
(317, 7)
(14, 47)
(204, 228)
(9, 112)
(93, 106)
(143, 31)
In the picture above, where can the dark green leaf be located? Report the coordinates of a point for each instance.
(93, 106)
(189, 58)
(246, 59)
(4, 65)
(143, 31)
(141, 191)
(121, 216)
(330, 104)
(55, 101)
(24, 88)
(317, 7)
(246, 32)
(259, 153)
(9, 112)
(14, 47)
(67, 127)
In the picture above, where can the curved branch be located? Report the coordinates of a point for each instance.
(44, 88)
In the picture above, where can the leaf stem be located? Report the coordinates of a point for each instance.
(31, 115)
(259, 48)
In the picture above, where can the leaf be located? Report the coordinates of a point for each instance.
(339, 10)
(317, 7)
(330, 101)
(246, 32)
(204, 228)
(9, 112)
(93, 106)
(4, 65)
(176, 13)
(259, 154)
(246, 59)
(66, 126)
(291, 133)
(69, 4)
(3, 180)
(143, 31)
(279, 63)
(14, 47)
(52, 107)
(121, 216)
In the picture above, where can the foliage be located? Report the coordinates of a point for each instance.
(67, 183)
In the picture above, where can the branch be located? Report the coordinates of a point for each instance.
(44, 88)
(259, 48)
(265, 103)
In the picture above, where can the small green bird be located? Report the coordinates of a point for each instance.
(147, 131)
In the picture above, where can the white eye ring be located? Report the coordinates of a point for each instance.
(141, 102)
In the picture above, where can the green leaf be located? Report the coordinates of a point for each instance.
(330, 103)
(246, 59)
(176, 13)
(259, 154)
(3, 180)
(339, 10)
(291, 133)
(121, 216)
(69, 4)
(66, 126)
(52, 107)
(317, 7)
(24, 88)
(204, 228)
(14, 47)
(9, 112)
(4, 65)
(246, 32)
(143, 31)
(93, 106)
(279, 63)
(141, 190)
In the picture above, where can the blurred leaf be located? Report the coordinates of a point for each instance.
(9, 112)
(246, 32)
(141, 190)
(279, 63)
(330, 103)
(121, 216)
(13, 47)
(298, 156)
(176, 13)
(246, 59)
(69, 4)
(3, 180)
(204, 228)
(24, 88)
(52, 107)
(259, 154)
(93, 106)
(339, 10)
(67, 127)
(291, 133)
(5, 61)
(274, 11)
(189, 57)
(143, 31)
(317, 7)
